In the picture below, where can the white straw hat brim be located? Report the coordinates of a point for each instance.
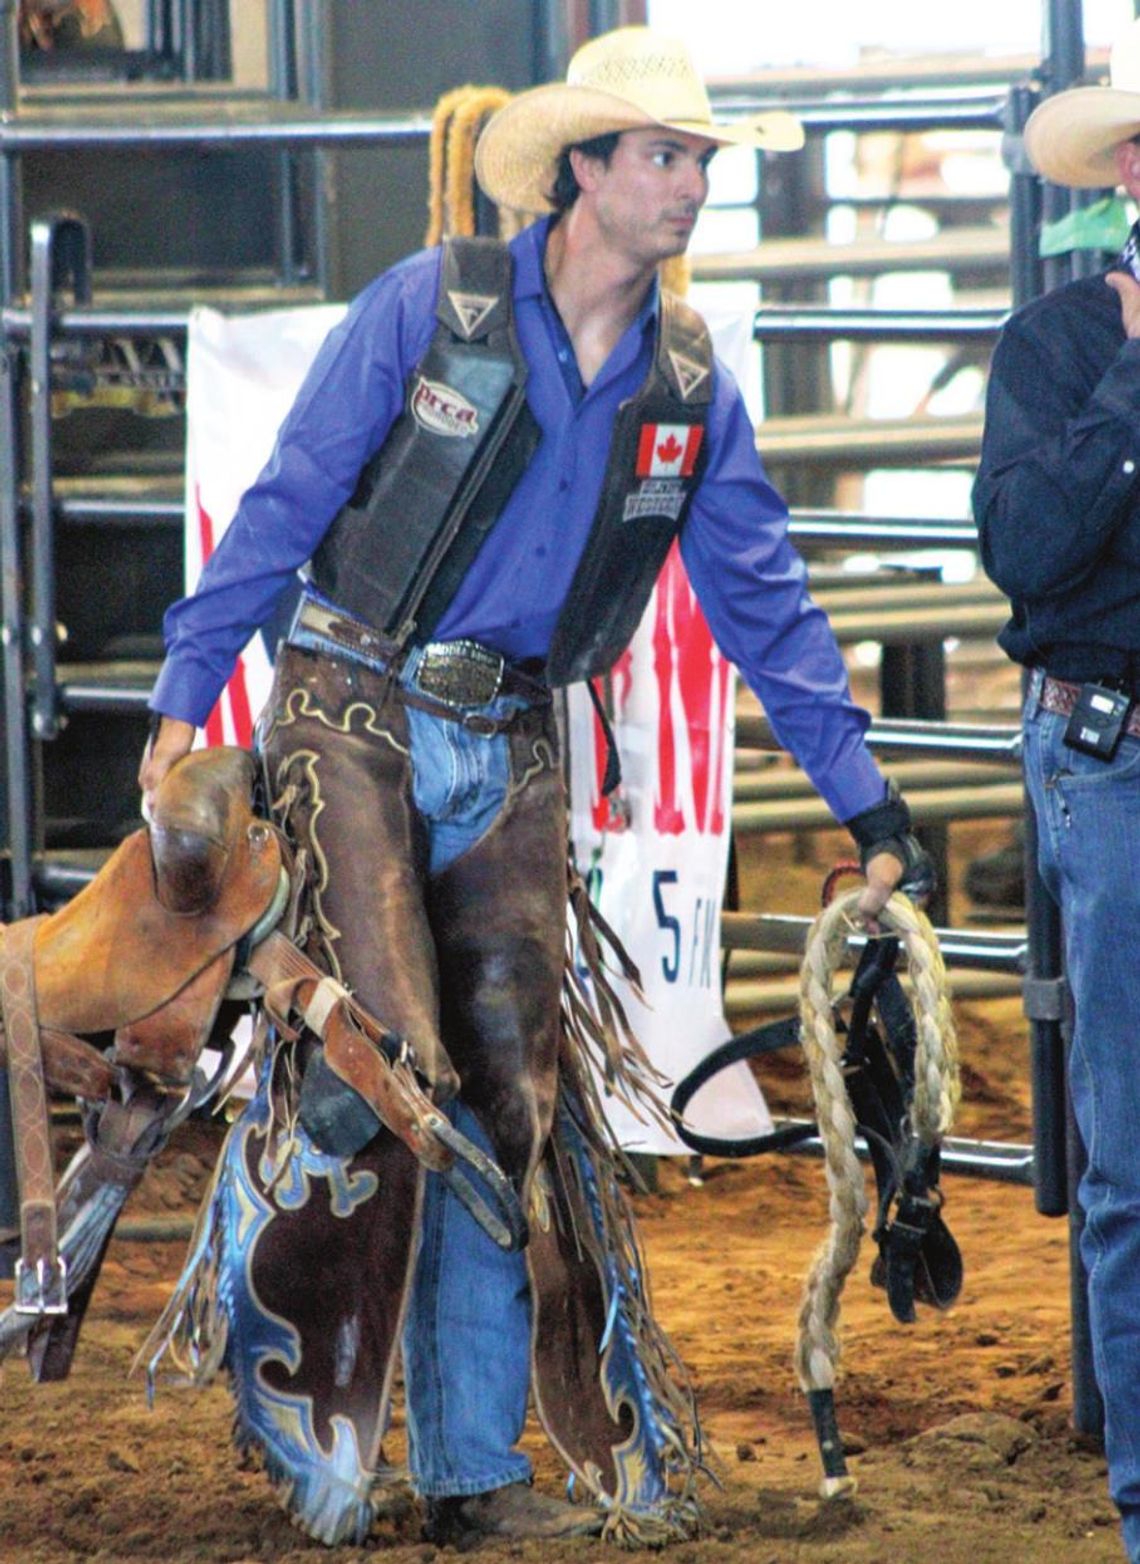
(517, 155)
(1072, 137)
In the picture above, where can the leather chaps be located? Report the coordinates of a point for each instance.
(469, 966)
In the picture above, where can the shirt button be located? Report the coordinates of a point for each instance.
(563, 485)
(1129, 467)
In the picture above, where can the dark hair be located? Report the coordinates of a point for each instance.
(565, 189)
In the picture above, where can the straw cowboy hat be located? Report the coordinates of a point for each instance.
(628, 79)
(1071, 137)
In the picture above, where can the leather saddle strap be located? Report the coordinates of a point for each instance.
(357, 1050)
(40, 1285)
(354, 1043)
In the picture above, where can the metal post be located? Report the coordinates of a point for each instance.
(15, 810)
(61, 251)
(1064, 59)
(283, 85)
(912, 683)
(11, 260)
(312, 30)
(16, 862)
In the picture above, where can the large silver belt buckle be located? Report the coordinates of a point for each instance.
(460, 673)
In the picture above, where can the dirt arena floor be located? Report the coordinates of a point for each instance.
(958, 1428)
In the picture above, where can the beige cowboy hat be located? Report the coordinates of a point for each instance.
(624, 80)
(1071, 137)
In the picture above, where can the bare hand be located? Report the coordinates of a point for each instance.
(173, 740)
(883, 873)
(1128, 289)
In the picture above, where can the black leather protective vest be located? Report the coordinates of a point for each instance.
(426, 502)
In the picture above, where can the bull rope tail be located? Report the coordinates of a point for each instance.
(457, 120)
(936, 1092)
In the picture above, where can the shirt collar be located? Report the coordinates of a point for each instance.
(530, 279)
(1130, 255)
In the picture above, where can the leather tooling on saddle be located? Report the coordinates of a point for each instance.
(182, 918)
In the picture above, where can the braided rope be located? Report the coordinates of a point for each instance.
(458, 118)
(936, 1092)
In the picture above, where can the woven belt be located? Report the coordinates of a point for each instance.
(352, 634)
(454, 673)
(1060, 696)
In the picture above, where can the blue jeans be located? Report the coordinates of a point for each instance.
(466, 1337)
(1088, 822)
(467, 1334)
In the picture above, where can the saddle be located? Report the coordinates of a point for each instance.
(112, 1000)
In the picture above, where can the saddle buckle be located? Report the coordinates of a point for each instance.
(42, 1290)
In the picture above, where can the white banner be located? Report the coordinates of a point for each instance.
(655, 854)
(657, 869)
(656, 859)
(242, 373)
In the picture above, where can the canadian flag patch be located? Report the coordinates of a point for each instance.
(668, 450)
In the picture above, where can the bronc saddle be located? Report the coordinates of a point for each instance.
(112, 1000)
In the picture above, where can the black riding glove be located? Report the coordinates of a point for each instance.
(886, 828)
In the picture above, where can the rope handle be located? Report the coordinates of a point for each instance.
(936, 1092)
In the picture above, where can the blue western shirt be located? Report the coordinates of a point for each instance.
(750, 582)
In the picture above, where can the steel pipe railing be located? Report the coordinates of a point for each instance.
(796, 323)
(848, 528)
(162, 127)
(116, 693)
(775, 86)
(997, 801)
(912, 777)
(962, 111)
(781, 259)
(1003, 1161)
(895, 735)
(854, 443)
(787, 934)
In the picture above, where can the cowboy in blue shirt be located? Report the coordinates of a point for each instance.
(421, 776)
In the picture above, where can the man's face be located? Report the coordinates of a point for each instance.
(647, 198)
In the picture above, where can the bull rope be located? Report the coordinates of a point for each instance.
(936, 1091)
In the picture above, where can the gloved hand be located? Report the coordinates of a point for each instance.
(885, 829)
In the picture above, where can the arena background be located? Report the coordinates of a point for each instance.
(266, 154)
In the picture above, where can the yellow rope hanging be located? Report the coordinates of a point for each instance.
(458, 118)
(437, 143)
(676, 273)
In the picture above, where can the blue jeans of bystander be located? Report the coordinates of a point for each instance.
(1088, 821)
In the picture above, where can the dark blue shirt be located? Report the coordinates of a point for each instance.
(749, 579)
(1057, 496)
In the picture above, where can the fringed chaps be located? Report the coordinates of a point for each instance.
(469, 967)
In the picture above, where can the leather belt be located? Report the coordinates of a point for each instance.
(454, 673)
(1060, 696)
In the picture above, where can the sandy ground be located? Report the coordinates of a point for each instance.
(958, 1428)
